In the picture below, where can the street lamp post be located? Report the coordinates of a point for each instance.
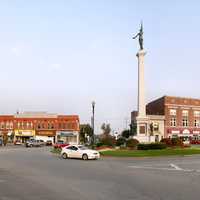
(93, 106)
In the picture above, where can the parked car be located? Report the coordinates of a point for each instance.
(17, 142)
(49, 143)
(42, 143)
(33, 143)
(79, 151)
(60, 144)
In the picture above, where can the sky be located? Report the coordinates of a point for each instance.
(60, 55)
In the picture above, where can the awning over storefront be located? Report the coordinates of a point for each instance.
(66, 134)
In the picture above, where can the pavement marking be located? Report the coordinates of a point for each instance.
(172, 167)
(175, 167)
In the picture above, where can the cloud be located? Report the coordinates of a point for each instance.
(56, 66)
(16, 51)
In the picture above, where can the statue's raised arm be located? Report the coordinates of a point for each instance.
(140, 34)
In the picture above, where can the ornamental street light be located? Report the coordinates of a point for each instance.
(93, 106)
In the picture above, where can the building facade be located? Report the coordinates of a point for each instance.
(182, 115)
(40, 125)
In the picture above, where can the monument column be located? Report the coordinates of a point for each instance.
(142, 120)
(141, 86)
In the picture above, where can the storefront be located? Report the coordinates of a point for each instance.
(68, 137)
(24, 135)
(45, 135)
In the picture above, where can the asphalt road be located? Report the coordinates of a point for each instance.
(27, 174)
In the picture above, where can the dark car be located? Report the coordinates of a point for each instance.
(49, 143)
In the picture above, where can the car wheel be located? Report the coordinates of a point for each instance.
(64, 156)
(85, 157)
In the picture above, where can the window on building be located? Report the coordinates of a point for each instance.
(185, 122)
(7, 125)
(197, 123)
(172, 112)
(173, 121)
(11, 125)
(185, 113)
(196, 113)
(2, 125)
(155, 126)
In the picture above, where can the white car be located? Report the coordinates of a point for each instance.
(79, 151)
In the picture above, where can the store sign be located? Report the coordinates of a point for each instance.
(186, 131)
(45, 133)
(25, 133)
(66, 134)
(176, 132)
(196, 132)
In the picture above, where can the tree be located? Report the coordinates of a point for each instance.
(106, 129)
(126, 133)
(133, 129)
(85, 130)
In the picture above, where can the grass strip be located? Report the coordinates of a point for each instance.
(151, 153)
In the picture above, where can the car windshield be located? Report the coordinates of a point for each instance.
(82, 147)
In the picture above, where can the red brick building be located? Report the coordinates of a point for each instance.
(40, 125)
(182, 115)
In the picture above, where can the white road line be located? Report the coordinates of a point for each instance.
(175, 167)
(164, 168)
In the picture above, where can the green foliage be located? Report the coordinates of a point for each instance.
(132, 143)
(99, 144)
(126, 133)
(156, 145)
(108, 141)
(121, 141)
(150, 153)
(106, 129)
(177, 142)
(85, 129)
(133, 129)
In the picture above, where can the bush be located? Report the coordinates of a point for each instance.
(170, 142)
(167, 141)
(177, 142)
(120, 141)
(99, 144)
(132, 143)
(156, 145)
(108, 141)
